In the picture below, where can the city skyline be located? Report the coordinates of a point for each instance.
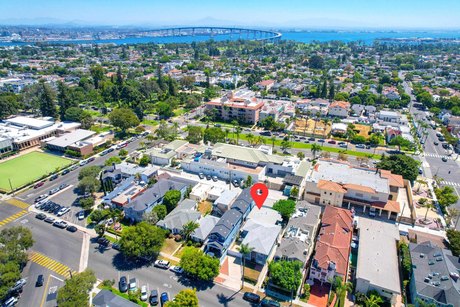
(392, 14)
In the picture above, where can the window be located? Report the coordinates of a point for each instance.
(359, 194)
(374, 198)
(325, 193)
(331, 194)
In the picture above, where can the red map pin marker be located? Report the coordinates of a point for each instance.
(259, 193)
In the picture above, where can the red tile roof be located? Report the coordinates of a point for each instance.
(331, 186)
(334, 239)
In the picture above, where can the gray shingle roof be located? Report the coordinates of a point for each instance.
(106, 298)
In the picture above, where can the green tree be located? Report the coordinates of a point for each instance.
(400, 164)
(165, 110)
(142, 240)
(300, 155)
(214, 135)
(144, 161)
(248, 182)
(123, 153)
(89, 185)
(100, 229)
(97, 73)
(64, 100)
(373, 300)
(47, 97)
(171, 199)
(161, 211)
(316, 62)
(399, 141)
(112, 160)
(185, 298)
(244, 250)
(453, 236)
(75, 291)
(188, 228)
(286, 274)
(89, 171)
(199, 265)
(446, 196)
(123, 119)
(340, 288)
(195, 134)
(86, 203)
(285, 207)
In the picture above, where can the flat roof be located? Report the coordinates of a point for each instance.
(29, 122)
(377, 255)
(247, 154)
(344, 173)
(69, 138)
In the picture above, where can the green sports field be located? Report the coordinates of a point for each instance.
(28, 168)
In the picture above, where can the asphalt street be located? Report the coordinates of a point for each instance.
(109, 264)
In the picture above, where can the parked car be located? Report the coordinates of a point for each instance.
(116, 246)
(10, 302)
(201, 175)
(83, 162)
(41, 203)
(63, 186)
(41, 197)
(311, 139)
(39, 281)
(208, 177)
(39, 184)
(63, 211)
(123, 284)
(53, 191)
(65, 172)
(176, 269)
(153, 299)
(144, 294)
(60, 224)
(91, 159)
(133, 284)
(251, 297)
(163, 264)
(81, 215)
(269, 303)
(332, 142)
(436, 143)
(362, 146)
(321, 140)
(235, 183)
(40, 216)
(103, 241)
(214, 178)
(50, 219)
(54, 177)
(18, 285)
(444, 159)
(164, 298)
(73, 168)
(72, 228)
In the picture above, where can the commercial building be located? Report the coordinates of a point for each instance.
(337, 183)
(242, 106)
(332, 250)
(73, 141)
(377, 267)
(20, 132)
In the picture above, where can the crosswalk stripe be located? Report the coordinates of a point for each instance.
(12, 217)
(455, 184)
(18, 203)
(50, 264)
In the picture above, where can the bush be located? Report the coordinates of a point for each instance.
(306, 291)
(108, 283)
(177, 238)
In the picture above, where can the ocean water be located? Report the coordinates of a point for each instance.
(367, 37)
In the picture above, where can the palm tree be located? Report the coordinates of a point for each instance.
(326, 122)
(454, 213)
(373, 301)
(261, 140)
(273, 139)
(189, 228)
(227, 131)
(317, 117)
(244, 250)
(306, 122)
(428, 205)
(250, 138)
(340, 289)
(237, 132)
(315, 148)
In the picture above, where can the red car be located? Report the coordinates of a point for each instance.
(332, 142)
(36, 186)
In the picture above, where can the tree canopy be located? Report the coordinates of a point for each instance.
(199, 265)
(185, 298)
(285, 207)
(76, 290)
(142, 240)
(454, 241)
(171, 199)
(400, 164)
(123, 119)
(286, 274)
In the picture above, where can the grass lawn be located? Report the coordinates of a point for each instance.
(100, 128)
(149, 122)
(170, 246)
(179, 111)
(29, 168)
(300, 145)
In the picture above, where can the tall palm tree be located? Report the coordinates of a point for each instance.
(454, 213)
(428, 205)
(315, 148)
(189, 228)
(237, 132)
(317, 117)
(250, 138)
(306, 122)
(373, 301)
(273, 139)
(227, 131)
(244, 250)
(340, 289)
(261, 140)
(326, 122)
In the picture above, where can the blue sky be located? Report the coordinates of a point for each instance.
(274, 13)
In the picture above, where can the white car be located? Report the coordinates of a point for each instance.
(162, 264)
(81, 215)
(176, 269)
(144, 295)
(63, 211)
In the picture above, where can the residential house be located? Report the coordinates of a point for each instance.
(184, 212)
(265, 85)
(300, 232)
(207, 224)
(165, 155)
(339, 109)
(225, 231)
(313, 106)
(435, 275)
(332, 250)
(106, 298)
(223, 203)
(389, 116)
(378, 245)
(135, 208)
(123, 170)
